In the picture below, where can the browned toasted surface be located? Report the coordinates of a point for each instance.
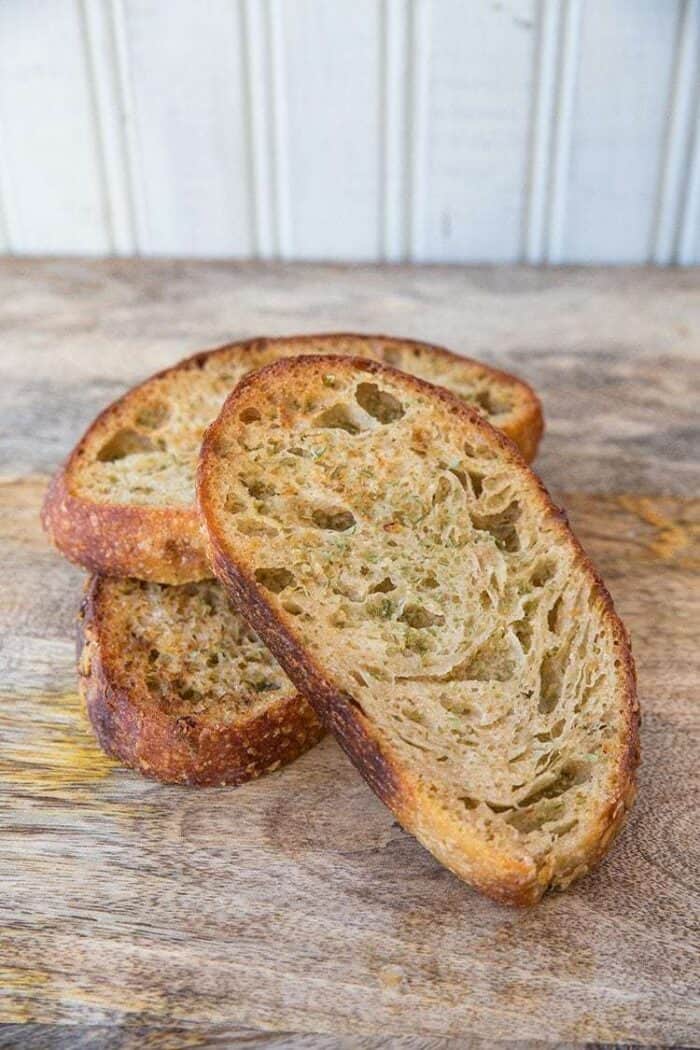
(123, 504)
(354, 514)
(179, 688)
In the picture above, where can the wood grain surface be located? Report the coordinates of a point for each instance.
(294, 911)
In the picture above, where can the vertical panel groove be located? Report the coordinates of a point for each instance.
(8, 226)
(278, 105)
(673, 166)
(690, 217)
(568, 64)
(276, 93)
(134, 180)
(91, 66)
(395, 132)
(543, 109)
(256, 54)
(98, 43)
(418, 39)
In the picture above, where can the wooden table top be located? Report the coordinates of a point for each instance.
(294, 911)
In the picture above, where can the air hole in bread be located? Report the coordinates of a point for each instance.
(360, 679)
(549, 758)
(532, 819)
(491, 403)
(492, 663)
(570, 775)
(429, 582)
(274, 579)
(258, 488)
(473, 451)
(543, 572)
(249, 415)
(461, 477)
(292, 607)
(255, 527)
(522, 629)
(419, 617)
(334, 519)
(189, 693)
(341, 417)
(263, 685)
(383, 587)
(124, 443)
(483, 399)
(501, 526)
(563, 829)
(413, 715)
(550, 684)
(378, 403)
(557, 729)
(477, 481)
(497, 807)
(153, 416)
(553, 614)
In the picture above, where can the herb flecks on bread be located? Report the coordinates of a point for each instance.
(179, 687)
(123, 504)
(416, 582)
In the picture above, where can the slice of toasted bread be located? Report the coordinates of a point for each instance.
(123, 504)
(414, 579)
(178, 687)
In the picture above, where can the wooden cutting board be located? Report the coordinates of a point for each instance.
(138, 915)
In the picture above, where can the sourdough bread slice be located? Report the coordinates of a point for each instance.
(414, 579)
(178, 686)
(123, 504)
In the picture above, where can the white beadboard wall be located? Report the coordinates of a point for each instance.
(544, 131)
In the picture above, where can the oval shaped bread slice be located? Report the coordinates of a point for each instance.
(123, 504)
(414, 579)
(178, 686)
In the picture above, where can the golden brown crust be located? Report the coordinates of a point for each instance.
(502, 878)
(150, 543)
(164, 543)
(185, 749)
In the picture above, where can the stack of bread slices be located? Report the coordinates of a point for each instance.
(341, 532)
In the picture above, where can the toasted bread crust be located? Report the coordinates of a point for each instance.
(165, 543)
(502, 878)
(185, 749)
(150, 543)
